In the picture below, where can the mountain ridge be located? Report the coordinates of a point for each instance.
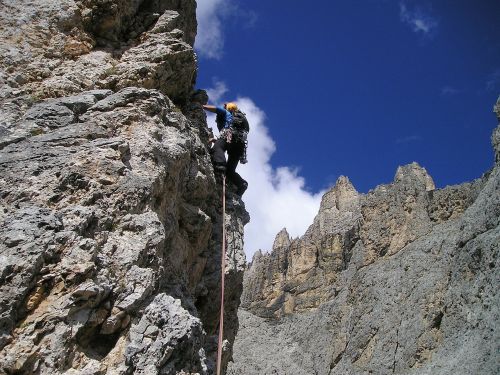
(399, 280)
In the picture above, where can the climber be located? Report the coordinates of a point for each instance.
(233, 129)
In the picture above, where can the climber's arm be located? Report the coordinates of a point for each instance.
(218, 110)
(210, 108)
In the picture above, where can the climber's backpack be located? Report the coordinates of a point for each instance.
(239, 130)
(240, 122)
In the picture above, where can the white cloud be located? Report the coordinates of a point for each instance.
(216, 93)
(419, 21)
(210, 39)
(211, 16)
(275, 198)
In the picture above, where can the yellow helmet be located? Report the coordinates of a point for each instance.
(231, 107)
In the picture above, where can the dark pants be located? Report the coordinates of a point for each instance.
(235, 150)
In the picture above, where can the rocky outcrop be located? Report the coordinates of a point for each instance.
(110, 220)
(60, 48)
(401, 280)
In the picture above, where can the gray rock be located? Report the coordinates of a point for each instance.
(55, 49)
(401, 280)
(297, 344)
(160, 62)
(50, 115)
(166, 340)
(80, 103)
(89, 294)
(110, 210)
(26, 242)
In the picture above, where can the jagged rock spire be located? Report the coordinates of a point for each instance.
(414, 174)
(282, 239)
(340, 196)
(495, 138)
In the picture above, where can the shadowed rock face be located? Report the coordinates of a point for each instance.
(401, 280)
(110, 219)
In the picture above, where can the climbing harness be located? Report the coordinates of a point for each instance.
(239, 136)
(223, 268)
(227, 134)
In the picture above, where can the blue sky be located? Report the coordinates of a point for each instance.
(355, 88)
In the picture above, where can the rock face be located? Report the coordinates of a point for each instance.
(401, 280)
(110, 219)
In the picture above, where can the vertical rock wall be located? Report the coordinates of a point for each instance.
(110, 219)
(401, 280)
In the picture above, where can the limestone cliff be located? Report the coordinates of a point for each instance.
(110, 220)
(401, 280)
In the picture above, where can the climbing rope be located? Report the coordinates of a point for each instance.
(223, 268)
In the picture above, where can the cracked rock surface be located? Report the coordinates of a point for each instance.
(401, 280)
(110, 213)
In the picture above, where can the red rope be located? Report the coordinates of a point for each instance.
(223, 269)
